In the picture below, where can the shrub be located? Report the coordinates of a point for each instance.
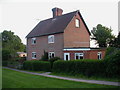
(4, 63)
(12, 64)
(52, 60)
(113, 63)
(110, 51)
(27, 65)
(45, 56)
(85, 67)
(6, 55)
(36, 65)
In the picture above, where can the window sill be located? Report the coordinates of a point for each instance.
(50, 42)
(33, 44)
(33, 58)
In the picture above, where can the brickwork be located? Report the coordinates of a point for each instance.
(42, 44)
(73, 37)
(76, 36)
(90, 54)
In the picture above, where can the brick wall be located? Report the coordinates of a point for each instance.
(76, 37)
(91, 54)
(42, 44)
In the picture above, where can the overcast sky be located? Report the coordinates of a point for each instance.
(21, 16)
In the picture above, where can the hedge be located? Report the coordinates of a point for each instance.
(12, 64)
(113, 64)
(4, 63)
(85, 67)
(37, 65)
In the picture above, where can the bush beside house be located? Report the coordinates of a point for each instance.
(37, 65)
(112, 61)
(109, 67)
(84, 67)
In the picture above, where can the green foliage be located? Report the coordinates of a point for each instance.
(11, 44)
(112, 61)
(52, 60)
(6, 55)
(85, 67)
(4, 63)
(12, 64)
(13, 79)
(36, 65)
(116, 42)
(27, 65)
(109, 52)
(45, 56)
(102, 35)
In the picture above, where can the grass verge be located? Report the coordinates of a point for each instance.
(79, 76)
(15, 79)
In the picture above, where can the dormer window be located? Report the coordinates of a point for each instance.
(33, 41)
(77, 22)
(51, 39)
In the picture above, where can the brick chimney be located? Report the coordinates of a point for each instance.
(57, 12)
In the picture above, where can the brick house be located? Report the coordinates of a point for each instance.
(64, 35)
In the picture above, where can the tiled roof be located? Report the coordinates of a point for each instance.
(53, 25)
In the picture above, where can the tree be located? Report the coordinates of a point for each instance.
(6, 55)
(102, 35)
(11, 44)
(116, 42)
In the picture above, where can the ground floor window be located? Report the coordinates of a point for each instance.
(99, 55)
(51, 55)
(79, 56)
(33, 55)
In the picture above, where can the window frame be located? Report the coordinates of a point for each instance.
(80, 54)
(51, 41)
(33, 41)
(99, 55)
(65, 56)
(50, 54)
(77, 23)
(34, 56)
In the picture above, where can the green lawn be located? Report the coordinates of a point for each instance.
(79, 76)
(14, 79)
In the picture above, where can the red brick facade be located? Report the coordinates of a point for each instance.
(72, 37)
(88, 54)
(42, 44)
(76, 36)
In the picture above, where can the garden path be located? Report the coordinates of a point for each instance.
(46, 74)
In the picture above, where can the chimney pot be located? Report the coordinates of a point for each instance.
(57, 12)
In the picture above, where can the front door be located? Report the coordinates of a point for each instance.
(66, 56)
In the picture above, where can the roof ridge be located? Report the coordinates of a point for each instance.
(67, 13)
(59, 16)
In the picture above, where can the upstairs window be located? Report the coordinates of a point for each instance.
(99, 55)
(33, 55)
(77, 23)
(33, 41)
(51, 39)
(51, 55)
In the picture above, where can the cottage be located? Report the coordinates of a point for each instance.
(64, 35)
